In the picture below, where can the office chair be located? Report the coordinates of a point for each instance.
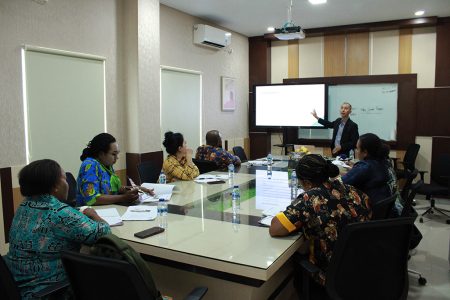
(409, 161)
(383, 208)
(71, 196)
(369, 261)
(10, 290)
(148, 172)
(205, 166)
(439, 185)
(114, 278)
(239, 152)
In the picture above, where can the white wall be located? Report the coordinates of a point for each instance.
(178, 50)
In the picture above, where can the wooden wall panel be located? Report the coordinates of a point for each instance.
(259, 144)
(405, 51)
(433, 112)
(441, 145)
(7, 200)
(334, 55)
(293, 63)
(442, 77)
(357, 54)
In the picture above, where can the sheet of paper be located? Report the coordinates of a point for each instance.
(340, 163)
(205, 178)
(140, 213)
(272, 211)
(266, 221)
(162, 191)
(110, 215)
(257, 162)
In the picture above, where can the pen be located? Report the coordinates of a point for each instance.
(140, 210)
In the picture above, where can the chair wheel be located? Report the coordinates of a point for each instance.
(414, 204)
(421, 220)
(422, 281)
(448, 221)
(431, 212)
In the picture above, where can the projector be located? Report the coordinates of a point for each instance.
(289, 33)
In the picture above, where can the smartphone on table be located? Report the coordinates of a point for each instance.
(148, 232)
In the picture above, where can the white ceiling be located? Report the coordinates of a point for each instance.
(252, 17)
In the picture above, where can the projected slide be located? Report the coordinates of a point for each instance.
(289, 105)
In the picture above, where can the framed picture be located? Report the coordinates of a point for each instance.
(228, 93)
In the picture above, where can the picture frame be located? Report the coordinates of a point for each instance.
(228, 93)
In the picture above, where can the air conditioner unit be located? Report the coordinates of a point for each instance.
(209, 36)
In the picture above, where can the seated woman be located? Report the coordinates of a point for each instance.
(178, 164)
(373, 174)
(43, 226)
(97, 183)
(322, 210)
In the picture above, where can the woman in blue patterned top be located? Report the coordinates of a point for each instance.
(43, 226)
(97, 182)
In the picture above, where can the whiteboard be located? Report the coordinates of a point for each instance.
(64, 105)
(374, 109)
(181, 103)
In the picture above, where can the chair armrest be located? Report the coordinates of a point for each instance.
(51, 289)
(422, 174)
(196, 293)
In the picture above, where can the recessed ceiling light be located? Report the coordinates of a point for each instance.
(317, 1)
(270, 29)
(419, 13)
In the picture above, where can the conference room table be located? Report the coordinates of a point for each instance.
(205, 244)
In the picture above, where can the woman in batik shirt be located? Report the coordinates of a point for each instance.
(97, 182)
(44, 225)
(322, 210)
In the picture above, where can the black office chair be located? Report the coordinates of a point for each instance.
(409, 161)
(369, 261)
(148, 172)
(114, 278)
(71, 196)
(239, 152)
(9, 289)
(439, 185)
(383, 208)
(205, 166)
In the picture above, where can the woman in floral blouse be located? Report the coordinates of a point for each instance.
(178, 164)
(44, 225)
(322, 210)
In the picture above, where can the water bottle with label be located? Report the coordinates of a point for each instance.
(269, 165)
(162, 178)
(230, 171)
(236, 200)
(294, 186)
(162, 213)
(351, 155)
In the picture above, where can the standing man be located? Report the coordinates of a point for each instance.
(213, 151)
(345, 131)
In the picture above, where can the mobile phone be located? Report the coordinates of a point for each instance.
(216, 182)
(148, 232)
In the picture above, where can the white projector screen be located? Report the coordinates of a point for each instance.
(289, 105)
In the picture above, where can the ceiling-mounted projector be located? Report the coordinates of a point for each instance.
(289, 33)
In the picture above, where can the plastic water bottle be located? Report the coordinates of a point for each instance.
(236, 200)
(269, 165)
(351, 155)
(230, 171)
(294, 186)
(162, 213)
(162, 178)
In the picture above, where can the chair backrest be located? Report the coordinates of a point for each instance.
(239, 152)
(71, 197)
(148, 172)
(441, 170)
(410, 176)
(8, 287)
(114, 279)
(409, 160)
(382, 209)
(205, 166)
(370, 261)
(409, 198)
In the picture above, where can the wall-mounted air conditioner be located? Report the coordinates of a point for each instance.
(209, 36)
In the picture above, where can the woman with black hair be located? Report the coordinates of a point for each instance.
(322, 210)
(44, 225)
(97, 183)
(178, 164)
(373, 173)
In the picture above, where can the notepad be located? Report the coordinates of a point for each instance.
(140, 213)
(210, 178)
(110, 215)
(162, 191)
